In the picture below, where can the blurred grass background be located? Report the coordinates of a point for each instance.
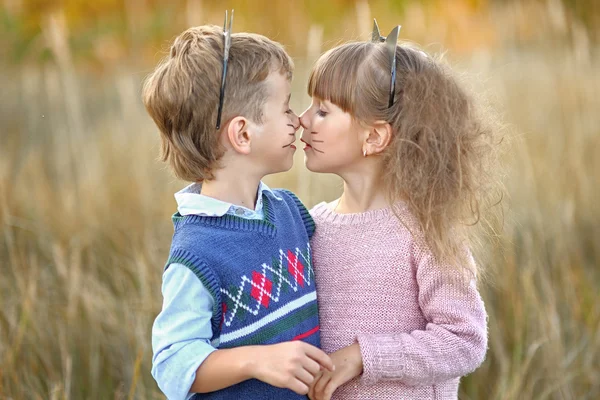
(85, 207)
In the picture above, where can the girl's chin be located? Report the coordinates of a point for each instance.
(314, 168)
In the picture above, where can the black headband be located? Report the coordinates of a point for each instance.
(226, 46)
(390, 43)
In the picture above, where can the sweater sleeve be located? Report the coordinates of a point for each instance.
(453, 343)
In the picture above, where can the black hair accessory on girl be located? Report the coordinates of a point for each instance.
(390, 43)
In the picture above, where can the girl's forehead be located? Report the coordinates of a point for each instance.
(320, 100)
(328, 103)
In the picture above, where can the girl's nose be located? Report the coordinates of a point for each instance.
(304, 120)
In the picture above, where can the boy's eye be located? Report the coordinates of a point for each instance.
(321, 113)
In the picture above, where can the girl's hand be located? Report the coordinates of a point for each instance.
(348, 364)
(293, 365)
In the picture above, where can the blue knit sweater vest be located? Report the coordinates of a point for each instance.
(260, 275)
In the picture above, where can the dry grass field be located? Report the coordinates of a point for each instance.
(85, 218)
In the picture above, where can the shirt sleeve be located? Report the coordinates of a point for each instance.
(453, 343)
(181, 332)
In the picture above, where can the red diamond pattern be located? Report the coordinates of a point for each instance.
(224, 311)
(262, 289)
(259, 290)
(295, 268)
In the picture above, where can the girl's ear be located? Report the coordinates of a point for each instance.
(238, 135)
(379, 137)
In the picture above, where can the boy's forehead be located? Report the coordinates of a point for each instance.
(279, 85)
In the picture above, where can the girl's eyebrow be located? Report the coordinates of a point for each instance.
(287, 101)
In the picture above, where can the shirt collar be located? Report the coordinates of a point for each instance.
(191, 201)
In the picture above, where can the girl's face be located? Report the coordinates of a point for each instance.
(333, 140)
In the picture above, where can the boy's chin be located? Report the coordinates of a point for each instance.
(284, 167)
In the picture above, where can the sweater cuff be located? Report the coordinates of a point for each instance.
(383, 358)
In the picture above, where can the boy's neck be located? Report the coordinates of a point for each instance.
(236, 189)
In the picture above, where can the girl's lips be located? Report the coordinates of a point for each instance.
(307, 145)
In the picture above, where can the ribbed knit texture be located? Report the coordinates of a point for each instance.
(260, 275)
(420, 326)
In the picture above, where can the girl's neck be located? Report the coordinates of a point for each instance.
(362, 192)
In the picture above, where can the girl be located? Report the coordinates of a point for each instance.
(399, 309)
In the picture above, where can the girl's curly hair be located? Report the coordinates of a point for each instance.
(442, 158)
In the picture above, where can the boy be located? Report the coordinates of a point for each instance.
(239, 317)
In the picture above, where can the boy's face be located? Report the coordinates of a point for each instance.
(273, 142)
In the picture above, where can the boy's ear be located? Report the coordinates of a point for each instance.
(238, 135)
(379, 137)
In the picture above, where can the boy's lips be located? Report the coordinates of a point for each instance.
(291, 144)
(293, 135)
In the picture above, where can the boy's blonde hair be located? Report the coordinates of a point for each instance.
(182, 94)
(441, 158)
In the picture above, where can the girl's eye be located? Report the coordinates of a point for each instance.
(289, 111)
(321, 113)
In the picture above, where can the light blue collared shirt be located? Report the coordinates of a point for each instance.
(182, 330)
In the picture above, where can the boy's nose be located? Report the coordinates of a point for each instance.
(295, 120)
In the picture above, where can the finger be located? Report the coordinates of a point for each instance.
(320, 356)
(298, 387)
(305, 376)
(311, 366)
(311, 390)
(329, 389)
(321, 384)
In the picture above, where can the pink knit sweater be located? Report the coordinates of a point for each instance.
(419, 327)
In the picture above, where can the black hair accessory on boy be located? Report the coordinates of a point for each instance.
(390, 43)
(226, 46)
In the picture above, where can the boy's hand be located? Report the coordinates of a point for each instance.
(348, 364)
(291, 365)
